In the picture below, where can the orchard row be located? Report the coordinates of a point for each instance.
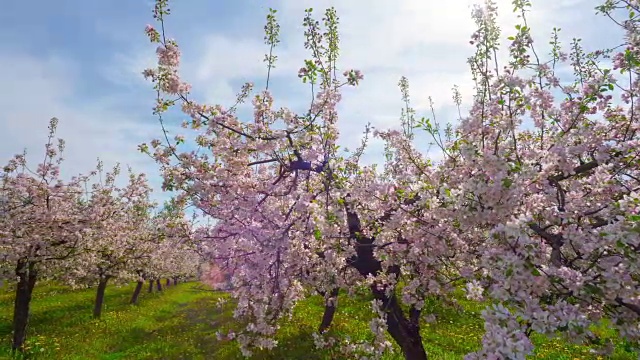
(534, 207)
(86, 230)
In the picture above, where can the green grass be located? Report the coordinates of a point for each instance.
(181, 323)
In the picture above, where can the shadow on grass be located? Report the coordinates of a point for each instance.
(39, 321)
(65, 310)
(204, 317)
(176, 330)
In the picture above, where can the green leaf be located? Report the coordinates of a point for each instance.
(592, 289)
(535, 272)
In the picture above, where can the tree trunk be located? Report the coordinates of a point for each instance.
(136, 293)
(175, 281)
(97, 308)
(150, 286)
(406, 332)
(168, 282)
(158, 285)
(27, 275)
(330, 306)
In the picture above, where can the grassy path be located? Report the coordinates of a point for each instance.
(181, 322)
(161, 327)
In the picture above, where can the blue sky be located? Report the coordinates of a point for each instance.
(81, 60)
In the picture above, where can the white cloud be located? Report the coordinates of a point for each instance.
(91, 127)
(426, 41)
(125, 68)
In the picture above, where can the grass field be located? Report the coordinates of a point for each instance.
(181, 322)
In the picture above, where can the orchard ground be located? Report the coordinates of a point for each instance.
(181, 323)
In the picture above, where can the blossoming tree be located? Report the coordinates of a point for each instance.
(41, 224)
(167, 249)
(117, 218)
(557, 198)
(540, 219)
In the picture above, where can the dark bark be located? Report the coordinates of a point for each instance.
(136, 293)
(27, 275)
(556, 241)
(168, 282)
(158, 285)
(330, 307)
(405, 331)
(150, 286)
(102, 286)
(630, 306)
(578, 170)
(175, 281)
